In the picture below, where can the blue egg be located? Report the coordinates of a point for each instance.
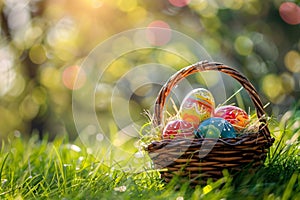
(209, 131)
(215, 127)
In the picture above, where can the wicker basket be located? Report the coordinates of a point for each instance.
(197, 160)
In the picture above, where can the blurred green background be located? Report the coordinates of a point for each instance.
(43, 44)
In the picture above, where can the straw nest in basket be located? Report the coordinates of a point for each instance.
(201, 147)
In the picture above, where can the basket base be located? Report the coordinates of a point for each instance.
(198, 177)
(184, 158)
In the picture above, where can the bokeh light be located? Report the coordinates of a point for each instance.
(243, 45)
(42, 43)
(199, 6)
(253, 7)
(127, 5)
(103, 95)
(179, 3)
(290, 13)
(116, 69)
(50, 77)
(272, 87)
(288, 82)
(37, 54)
(7, 72)
(73, 77)
(168, 58)
(292, 61)
(207, 8)
(158, 33)
(211, 24)
(29, 108)
(18, 87)
(233, 4)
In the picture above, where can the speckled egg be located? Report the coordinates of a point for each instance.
(215, 127)
(197, 106)
(178, 129)
(234, 115)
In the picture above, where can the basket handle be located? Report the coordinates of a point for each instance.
(206, 66)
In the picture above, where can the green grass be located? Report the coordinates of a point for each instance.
(34, 169)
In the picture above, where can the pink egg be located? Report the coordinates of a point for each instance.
(197, 106)
(234, 115)
(178, 129)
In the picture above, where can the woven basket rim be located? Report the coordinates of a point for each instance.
(243, 140)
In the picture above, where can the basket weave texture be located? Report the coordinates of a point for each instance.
(198, 159)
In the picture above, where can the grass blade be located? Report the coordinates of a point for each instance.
(289, 188)
(2, 165)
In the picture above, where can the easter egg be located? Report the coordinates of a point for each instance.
(178, 129)
(209, 127)
(209, 131)
(234, 115)
(197, 106)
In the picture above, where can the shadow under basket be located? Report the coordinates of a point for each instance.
(198, 159)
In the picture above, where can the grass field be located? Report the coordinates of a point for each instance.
(34, 169)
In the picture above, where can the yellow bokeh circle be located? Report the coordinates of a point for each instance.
(292, 61)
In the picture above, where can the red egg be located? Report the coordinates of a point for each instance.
(178, 129)
(234, 115)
